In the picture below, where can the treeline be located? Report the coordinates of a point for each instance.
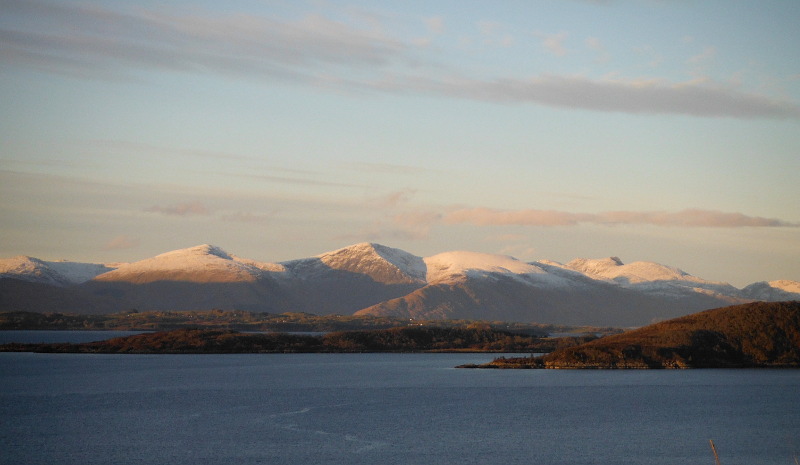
(408, 339)
(134, 320)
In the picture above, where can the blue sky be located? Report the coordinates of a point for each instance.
(651, 130)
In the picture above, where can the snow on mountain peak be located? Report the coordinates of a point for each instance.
(651, 275)
(773, 290)
(30, 269)
(199, 250)
(786, 285)
(385, 263)
(202, 263)
(596, 266)
(59, 273)
(445, 266)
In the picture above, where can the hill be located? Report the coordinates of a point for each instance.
(752, 335)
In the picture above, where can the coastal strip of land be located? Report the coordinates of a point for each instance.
(754, 335)
(478, 338)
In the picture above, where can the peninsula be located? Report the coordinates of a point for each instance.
(754, 335)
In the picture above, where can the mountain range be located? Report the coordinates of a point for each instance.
(373, 279)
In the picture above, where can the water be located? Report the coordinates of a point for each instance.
(384, 409)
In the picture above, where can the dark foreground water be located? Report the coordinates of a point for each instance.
(384, 409)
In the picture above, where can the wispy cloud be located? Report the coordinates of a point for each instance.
(104, 41)
(435, 24)
(248, 217)
(275, 178)
(554, 43)
(181, 209)
(121, 242)
(596, 45)
(696, 98)
(388, 168)
(492, 33)
(395, 199)
(684, 218)
(78, 39)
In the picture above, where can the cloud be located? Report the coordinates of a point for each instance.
(707, 54)
(387, 168)
(702, 98)
(181, 209)
(83, 39)
(492, 33)
(700, 62)
(693, 218)
(119, 42)
(247, 217)
(685, 218)
(593, 43)
(435, 24)
(490, 217)
(289, 179)
(554, 43)
(395, 199)
(121, 242)
(408, 225)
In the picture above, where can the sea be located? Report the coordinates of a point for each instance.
(384, 409)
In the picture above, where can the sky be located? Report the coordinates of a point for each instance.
(654, 130)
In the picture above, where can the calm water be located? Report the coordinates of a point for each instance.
(384, 409)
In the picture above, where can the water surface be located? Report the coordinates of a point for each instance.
(384, 409)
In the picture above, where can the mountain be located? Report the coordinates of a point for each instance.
(373, 279)
(60, 273)
(351, 278)
(595, 292)
(197, 278)
(760, 334)
(773, 290)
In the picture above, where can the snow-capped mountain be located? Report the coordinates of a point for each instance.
(380, 263)
(650, 276)
(375, 279)
(58, 273)
(773, 290)
(454, 266)
(199, 264)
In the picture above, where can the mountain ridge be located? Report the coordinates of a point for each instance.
(374, 279)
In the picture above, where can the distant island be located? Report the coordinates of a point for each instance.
(476, 338)
(239, 320)
(754, 335)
